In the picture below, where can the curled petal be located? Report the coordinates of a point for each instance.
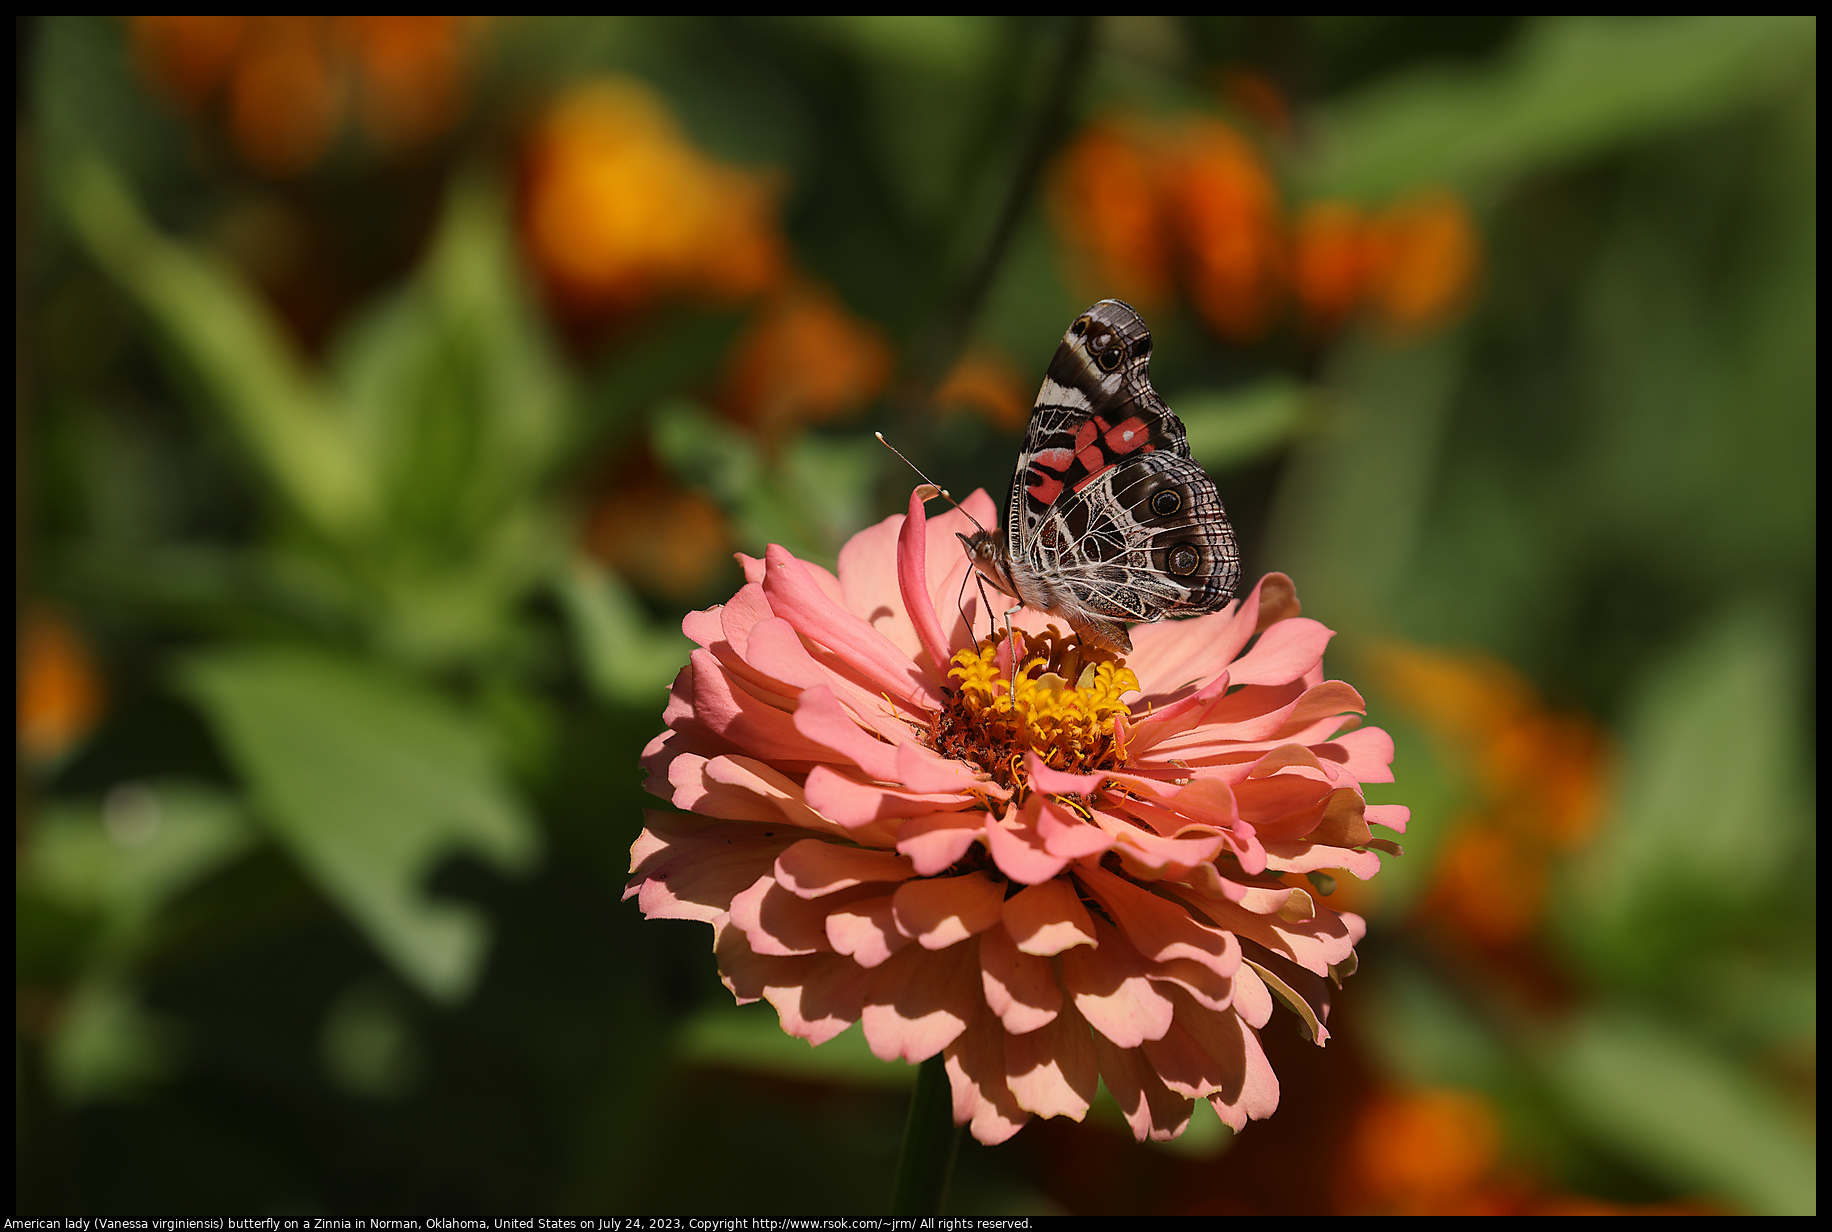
(1047, 919)
(816, 996)
(920, 770)
(866, 931)
(976, 1076)
(1151, 1109)
(796, 595)
(777, 923)
(913, 585)
(1020, 988)
(686, 868)
(1056, 782)
(852, 803)
(825, 723)
(812, 868)
(1284, 652)
(935, 842)
(1052, 1071)
(1066, 835)
(868, 579)
(1159, 929)
(1108, 984)
(1021, 855)
(942, 911)
(920, 1001)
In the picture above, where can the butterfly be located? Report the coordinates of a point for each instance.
(1109, 520)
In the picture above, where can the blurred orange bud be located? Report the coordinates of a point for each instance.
(410, 74)
(1490, 882)
(805, 359)
(1104, 196)
(1539, 778)
(988, 384)
(1424, 259)
(1329, 262)
(60, 689)
(621, 209)
(286, 97)
(1225, 208)
(186, 57)
(1421, 1153)
(288, 80)
(665, 539)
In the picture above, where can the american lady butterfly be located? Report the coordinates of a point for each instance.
(1109, 520)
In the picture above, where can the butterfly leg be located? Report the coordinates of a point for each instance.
(1011, 640)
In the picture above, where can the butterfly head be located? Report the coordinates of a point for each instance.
(989, 559)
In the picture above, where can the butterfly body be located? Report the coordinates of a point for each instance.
(1109, 520)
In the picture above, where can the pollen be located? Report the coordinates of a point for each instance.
(993, 720)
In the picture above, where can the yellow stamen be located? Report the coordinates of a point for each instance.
(995, 720)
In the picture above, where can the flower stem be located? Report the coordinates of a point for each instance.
(930, 1141)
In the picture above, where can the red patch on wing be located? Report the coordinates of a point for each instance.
(1128, 436)
(1056, 459)
(1045, 490)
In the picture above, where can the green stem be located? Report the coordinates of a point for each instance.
(930, 1141)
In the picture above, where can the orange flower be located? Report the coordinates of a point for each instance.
(1329, 262)
(804, 359)
(1423, 261)
(1438, 1151)
(287, 81)
(286, 98)
(621, 209)
(1105, 199)
(1145, 207)
(60, 690)
(987, 383)
(1539, 783)
(1225, 208)
(409, 73)
(662, 537)
(187, 58)
(1421, 1153)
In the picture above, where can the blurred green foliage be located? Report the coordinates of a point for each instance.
(325, 915)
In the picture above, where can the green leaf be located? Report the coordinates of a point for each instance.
(1238, 426)
(126, 856)
(1684, 1113)
(814, 494)
(369, 782)
(451, 382)
(1352, 507)
(107, 1045)
(1708, 806)
(1568, 89)
(628, 658)
(227, 341)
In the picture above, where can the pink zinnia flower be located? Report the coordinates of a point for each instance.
(1097, 875)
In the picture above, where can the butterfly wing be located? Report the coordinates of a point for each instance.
(1109, 519)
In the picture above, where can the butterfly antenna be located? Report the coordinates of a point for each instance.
(935, 488)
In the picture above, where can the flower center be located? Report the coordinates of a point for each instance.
(993, 720)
